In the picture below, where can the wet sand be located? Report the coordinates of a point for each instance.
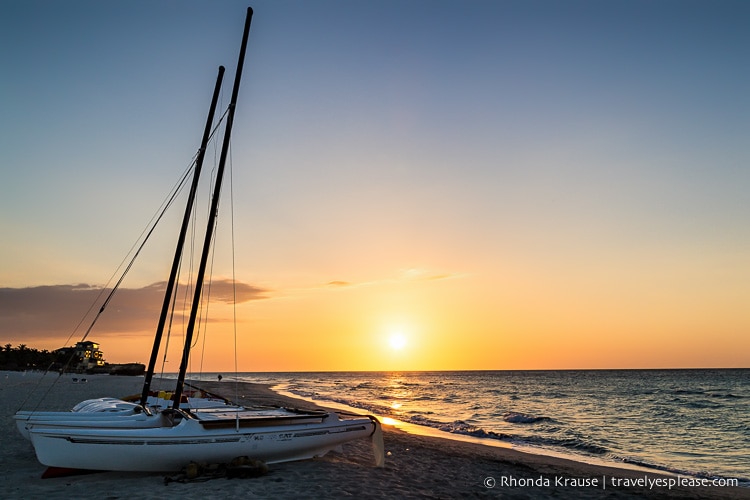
(415, 467)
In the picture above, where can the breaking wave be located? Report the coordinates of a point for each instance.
(522, 418)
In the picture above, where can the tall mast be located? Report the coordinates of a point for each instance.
(212, 215)
(181, 240)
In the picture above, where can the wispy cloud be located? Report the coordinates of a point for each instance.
(54, 311)
(227, 291)
(339, 283)
(417, 274)
(403, 275)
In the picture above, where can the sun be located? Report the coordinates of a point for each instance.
(397, 341)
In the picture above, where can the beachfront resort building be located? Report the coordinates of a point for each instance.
(86, 356)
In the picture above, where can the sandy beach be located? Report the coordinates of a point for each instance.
(416, 466)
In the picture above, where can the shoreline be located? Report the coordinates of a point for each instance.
(416, 466)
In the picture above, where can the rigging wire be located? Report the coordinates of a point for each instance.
(147, 231)
(171, 321)
(187, 291)
(189, 288)
(206, 292)
(165, 206)
(206, 298)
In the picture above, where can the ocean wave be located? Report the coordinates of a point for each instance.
(418, 412)
(727, 395)
(702, 404)
(522, 418)
(458, 427)
(687, 391)
(461, 427)
(583, 446)
(711, 393)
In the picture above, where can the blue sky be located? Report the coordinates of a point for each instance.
(537, 149)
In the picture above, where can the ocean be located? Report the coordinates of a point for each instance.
(691, 422)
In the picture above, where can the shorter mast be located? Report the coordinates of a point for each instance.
(212, 215)
(181, 240)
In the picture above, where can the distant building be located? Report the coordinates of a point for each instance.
(89, 355)
(86, 356)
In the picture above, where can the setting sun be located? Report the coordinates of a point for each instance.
(397, 341)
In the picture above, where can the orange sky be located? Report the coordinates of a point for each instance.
(461, 321)
(447, 321)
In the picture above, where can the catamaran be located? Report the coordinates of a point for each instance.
(164, 432)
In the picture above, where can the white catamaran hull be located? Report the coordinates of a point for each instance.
(170, 448)
(86, 413)
(107, 413)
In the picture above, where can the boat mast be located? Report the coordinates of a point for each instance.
(212, 215)
(181, 240)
